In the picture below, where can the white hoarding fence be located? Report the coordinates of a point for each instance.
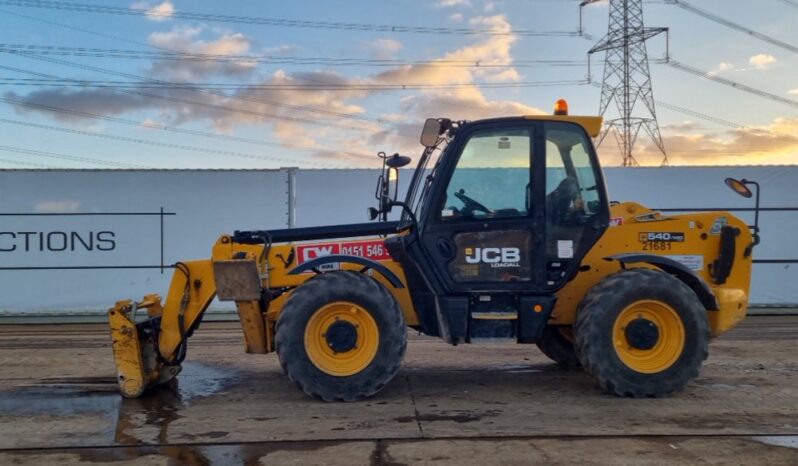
(74, 241)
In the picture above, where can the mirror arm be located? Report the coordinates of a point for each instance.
(756, 209)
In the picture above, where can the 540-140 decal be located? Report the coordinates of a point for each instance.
(660, 240)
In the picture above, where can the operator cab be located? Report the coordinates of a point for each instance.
(502, 222)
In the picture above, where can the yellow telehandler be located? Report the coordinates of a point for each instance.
(509, 236)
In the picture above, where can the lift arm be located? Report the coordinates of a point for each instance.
(150, 352)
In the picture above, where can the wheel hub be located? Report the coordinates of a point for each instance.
(341, 336)
(642, 334)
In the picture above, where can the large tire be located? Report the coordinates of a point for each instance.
(641, 333)
(558, 347)
(341, 336)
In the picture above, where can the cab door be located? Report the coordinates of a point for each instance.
(482, 230)
(515, 208)
(576, 206)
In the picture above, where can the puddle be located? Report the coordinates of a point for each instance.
(247, 454)
(137, 421)
(789, 441)
(520, 369)
(459, 417)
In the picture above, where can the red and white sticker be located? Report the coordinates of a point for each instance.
(616, 221)
(374, 250)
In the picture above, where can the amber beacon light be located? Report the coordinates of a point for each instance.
(561, 107)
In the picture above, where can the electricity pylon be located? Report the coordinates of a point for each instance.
(627, 78)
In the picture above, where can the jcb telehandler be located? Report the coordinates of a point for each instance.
(510, 236)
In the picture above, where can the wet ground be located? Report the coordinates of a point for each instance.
(467, 405)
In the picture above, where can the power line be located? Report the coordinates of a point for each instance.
(73, 158)
(62, 82)
(281, 59)
(282, 22)
(238, 97)
(729, 24)
(165, 144)
(790, 2)
(59, 82)
(728, 82)
(154, 126)
(211, 87)
(27, 164)
(243, 98)
(703, 116)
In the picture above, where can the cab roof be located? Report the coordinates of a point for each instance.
(591, 124)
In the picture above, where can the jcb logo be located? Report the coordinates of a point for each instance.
(492, 255)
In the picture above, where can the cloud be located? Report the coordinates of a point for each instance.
(493, 50)
(57, 207)
(149, 123)
(160, 12)
(453, 3)
(310, 118)
(681, 126)
(384, 49)
(774, 143)
(722, 66)
(456, 17)
(188, 40)
(793, 91)
(489, 7)
(762, 61)
(104, 101)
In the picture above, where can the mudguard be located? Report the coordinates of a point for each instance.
(349, 259)
(683, 273)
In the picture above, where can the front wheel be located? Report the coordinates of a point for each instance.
(341, 336)
(641, 333)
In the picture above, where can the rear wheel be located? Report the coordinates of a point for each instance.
(641, 333)
(341, 336)
(558, 344)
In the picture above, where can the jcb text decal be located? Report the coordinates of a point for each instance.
(496, 257)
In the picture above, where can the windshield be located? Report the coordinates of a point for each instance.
(416, 192)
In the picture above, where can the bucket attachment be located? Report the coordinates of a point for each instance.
(137, 364)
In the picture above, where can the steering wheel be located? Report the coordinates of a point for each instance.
(469, 205)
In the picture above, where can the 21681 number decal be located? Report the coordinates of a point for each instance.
(656, 246)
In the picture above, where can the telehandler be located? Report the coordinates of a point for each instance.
(509, 236)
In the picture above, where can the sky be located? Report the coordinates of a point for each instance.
(328, 84)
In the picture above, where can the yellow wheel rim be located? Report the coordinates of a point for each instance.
(669, 343)
(353, 358)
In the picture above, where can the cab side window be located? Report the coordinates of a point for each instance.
(572, 196)
(491, 179)
(571, 190)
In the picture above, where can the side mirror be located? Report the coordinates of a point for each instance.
(738, 187)
(741, 187)
(391, 188)
(430, 133)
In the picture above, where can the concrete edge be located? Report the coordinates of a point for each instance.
(94, 317)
